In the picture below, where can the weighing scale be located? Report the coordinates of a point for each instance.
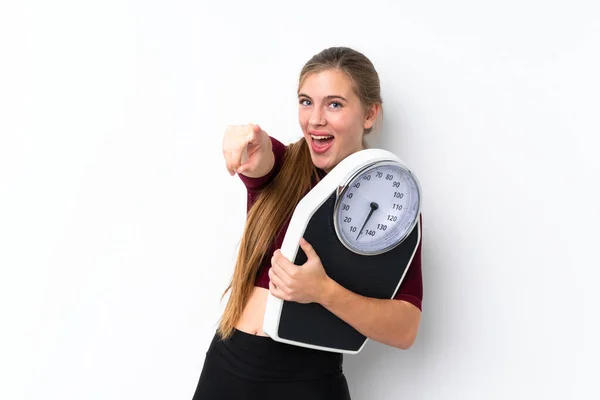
(362, 219)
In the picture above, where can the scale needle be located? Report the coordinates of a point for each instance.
(374, 206)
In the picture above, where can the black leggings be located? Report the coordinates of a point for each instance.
(249, 367)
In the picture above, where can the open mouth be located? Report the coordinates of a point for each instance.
(321, 143)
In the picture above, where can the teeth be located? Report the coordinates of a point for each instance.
(320, 137)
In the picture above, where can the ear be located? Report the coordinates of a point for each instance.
(371, 116)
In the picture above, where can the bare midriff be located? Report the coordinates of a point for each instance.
(253, 315)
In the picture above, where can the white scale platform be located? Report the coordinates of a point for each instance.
(362, 219)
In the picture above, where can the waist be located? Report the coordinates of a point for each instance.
(260, 358)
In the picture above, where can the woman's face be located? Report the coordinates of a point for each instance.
(332, 117)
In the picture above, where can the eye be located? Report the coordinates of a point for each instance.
(304, 102)
(337, 104)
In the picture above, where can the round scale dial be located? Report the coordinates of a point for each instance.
(377, 208)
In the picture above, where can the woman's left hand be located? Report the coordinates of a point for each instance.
(306, 283)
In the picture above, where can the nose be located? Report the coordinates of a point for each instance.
(317, 117)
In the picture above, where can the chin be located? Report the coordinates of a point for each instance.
(317, 161)
(323, 163)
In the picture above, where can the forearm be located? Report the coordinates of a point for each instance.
(392, 322)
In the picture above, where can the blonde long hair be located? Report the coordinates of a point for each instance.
(277, 201)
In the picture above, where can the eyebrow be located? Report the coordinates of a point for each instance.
(326, 97)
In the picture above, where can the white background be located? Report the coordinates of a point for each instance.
(119, 223)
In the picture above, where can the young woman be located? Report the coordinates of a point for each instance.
(339, 102)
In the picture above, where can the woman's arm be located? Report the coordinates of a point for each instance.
(392, 322)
